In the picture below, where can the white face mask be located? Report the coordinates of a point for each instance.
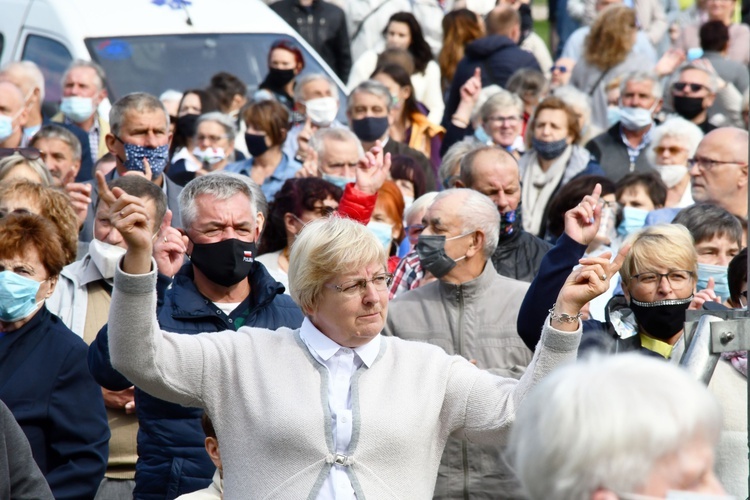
(105, 257)
(672, 174)
(212, 156)
(322, 111)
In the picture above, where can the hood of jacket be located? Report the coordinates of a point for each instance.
(488, 45)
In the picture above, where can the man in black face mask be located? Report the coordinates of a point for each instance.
(221, 288)
(693, 92)
(369, 114)
(470, 311)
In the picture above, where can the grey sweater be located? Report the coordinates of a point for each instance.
(267, 398)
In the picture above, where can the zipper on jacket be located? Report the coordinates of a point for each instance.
(460, 297)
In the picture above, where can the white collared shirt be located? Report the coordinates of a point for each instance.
(341, 363)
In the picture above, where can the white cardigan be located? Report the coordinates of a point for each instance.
(266, 397)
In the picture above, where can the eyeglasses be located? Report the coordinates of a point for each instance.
(353, 287)
(561, 69)
(678, 280)
(28, 153)
(504, 119)
(705, 164)
(672, 150)
(694, 87)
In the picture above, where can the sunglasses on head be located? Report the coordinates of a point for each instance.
(681, 86)
(28, 153)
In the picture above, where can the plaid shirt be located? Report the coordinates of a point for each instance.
(634, 152)
(93, 134)
(407, 276)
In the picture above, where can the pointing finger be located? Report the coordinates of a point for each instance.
(105, 194)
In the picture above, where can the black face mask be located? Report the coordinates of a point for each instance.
(278, 78)
(225, 262)
(687, 107)
(661, 319)
(432, 256)
(256, 144)
(185, 125)
(371, 128)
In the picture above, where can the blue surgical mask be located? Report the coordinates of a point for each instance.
(613, 115)
(338, 181)
(719, 274)
(6, 127)
(635, 118)
(633, 219)
(157, 157)
(17, 296)
(77, 109)
(481, 135)
(384, 233)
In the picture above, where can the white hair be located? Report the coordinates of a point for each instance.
(643, 76)
(477, 213)
(502, 99)
(340, 134)
(170, 95)
(450, 166)
(372, 87)
(226, 122)
(31, 71)
(420, 205)
(299, 85)
(80, 63)
(605, 423)
(688, 133)
(713, 79)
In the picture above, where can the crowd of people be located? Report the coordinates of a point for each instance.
(469, 280)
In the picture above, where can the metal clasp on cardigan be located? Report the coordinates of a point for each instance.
(340, 459)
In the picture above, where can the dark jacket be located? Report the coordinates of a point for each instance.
(498, 57)
(519, 255)
(597, 335)
(612, 154)
(399, 148)
(171, 456)
(46, 383)
(86, 233)
(322, 25)
(20, 476)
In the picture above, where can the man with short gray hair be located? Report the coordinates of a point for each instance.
(139, 140)
(83, 91)
(369, 113)
(60, 151)
(622, 149)
(220, 289)
(470, 311)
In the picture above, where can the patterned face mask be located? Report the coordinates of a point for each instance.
(157, 157)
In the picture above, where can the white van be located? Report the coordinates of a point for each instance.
(148, 45)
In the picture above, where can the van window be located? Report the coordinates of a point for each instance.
(154, 64)
(52, 58)
(2, 44)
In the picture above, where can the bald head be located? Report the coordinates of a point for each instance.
(720, 173)
(493, 172)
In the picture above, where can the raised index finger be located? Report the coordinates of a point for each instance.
(105, 194)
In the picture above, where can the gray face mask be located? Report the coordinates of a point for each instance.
(432, 256)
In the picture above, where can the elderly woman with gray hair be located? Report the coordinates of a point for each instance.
(333, 409)
(673, 143)
(214, 147)
(603, 429)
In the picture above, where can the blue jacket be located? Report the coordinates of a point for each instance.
(46, 384)
(498, 57)
(171, 455)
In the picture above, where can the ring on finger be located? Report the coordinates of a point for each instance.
(166, 240)
(604, 277)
